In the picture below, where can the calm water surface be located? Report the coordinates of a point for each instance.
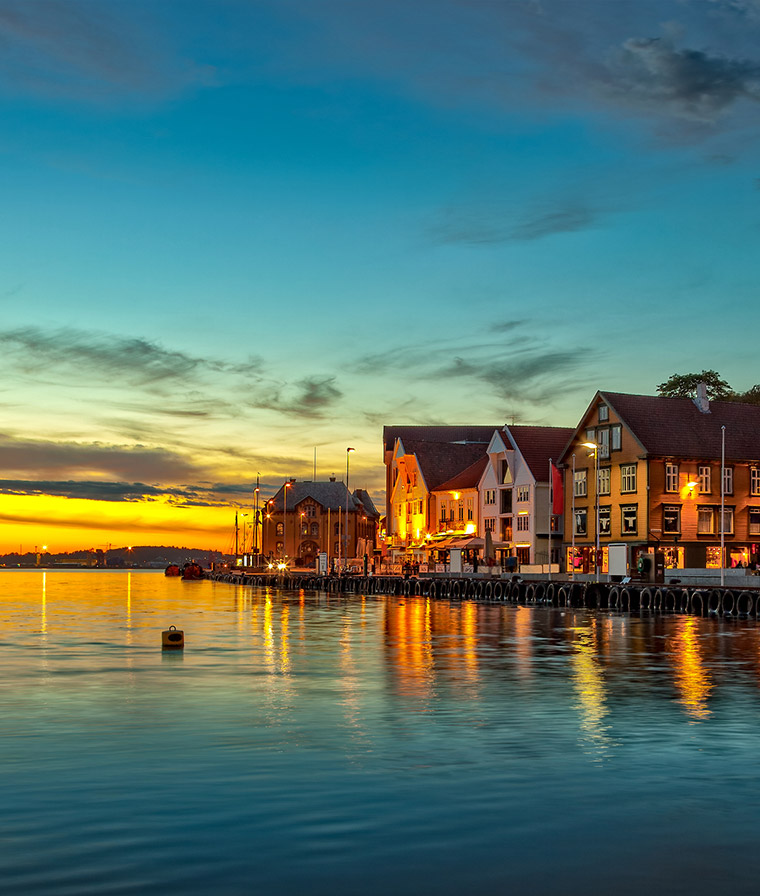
(326, 744)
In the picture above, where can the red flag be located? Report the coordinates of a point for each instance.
(558, 495)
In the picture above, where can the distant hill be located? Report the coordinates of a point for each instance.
(140, 557)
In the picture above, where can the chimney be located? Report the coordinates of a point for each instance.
(701, 400)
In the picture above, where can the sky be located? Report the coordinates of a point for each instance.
(239, 236)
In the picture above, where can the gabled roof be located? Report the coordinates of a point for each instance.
(441, 461)
(538, 445)
(367, 503)
(468, 478)
(480, 434)
(331, 495)
(675, 427)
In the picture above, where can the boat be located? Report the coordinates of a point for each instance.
(172, 570)
(192, 571)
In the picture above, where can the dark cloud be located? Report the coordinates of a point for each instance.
(47, 458)
(308, 397)
(654, 75)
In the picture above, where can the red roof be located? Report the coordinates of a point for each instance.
(540, 444)
(468, 478)
(675, 427)
(441, 461)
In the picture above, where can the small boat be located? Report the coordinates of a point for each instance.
(192, 571)
(172, 570)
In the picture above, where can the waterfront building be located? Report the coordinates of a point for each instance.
(307, 518)
(419, 460)
(656, 472)
(454, 515)
(515, 489)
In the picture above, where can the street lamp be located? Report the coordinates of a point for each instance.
(592, 446)
(348, 455)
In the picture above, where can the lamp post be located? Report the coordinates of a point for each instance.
(722, 504)
(592, 446)
(348, 455)
(285, 517)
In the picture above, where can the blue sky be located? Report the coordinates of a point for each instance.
(239, 231)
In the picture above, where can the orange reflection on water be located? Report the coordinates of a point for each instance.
(409, 627)
(691, 675)
(590, 687)
(523, 641)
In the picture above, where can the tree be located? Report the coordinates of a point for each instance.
(684, 385)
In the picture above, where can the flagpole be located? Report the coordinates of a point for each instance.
(551, 511)
(722, 505)
(572, 519)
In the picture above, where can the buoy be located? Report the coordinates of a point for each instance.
(173, 639)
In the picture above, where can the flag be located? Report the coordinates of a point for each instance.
(558, 495)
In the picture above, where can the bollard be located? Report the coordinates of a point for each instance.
(172, 639)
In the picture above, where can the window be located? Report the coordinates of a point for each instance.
(671, 519)
(314, 529)
(490, 496)
(604, 413)
(310, 510)
(754, 481)
(279, 529)
(506, 475)
(728, 480)
(279, 547)
(754, 521)
(605, 521)
(728, 520)
(490, 524)
(304, 528)
(629, 522)
(469, 508)
(603, 441)
(336, 549)
(523, 493)
(461, 510)
(523, 523)
(579, 484)
(443, 511)
(617, 437)
(591, 434)
(628, 478)
(580, 521)
(604, 480)
(704, 480)
(671, 477)
(705, 521)
(506, 500)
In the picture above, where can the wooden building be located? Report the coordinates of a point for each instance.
(656, 472)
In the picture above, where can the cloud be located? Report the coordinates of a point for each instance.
(655, 76)
(90, 51)
(47, 458)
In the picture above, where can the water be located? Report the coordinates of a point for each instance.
(339, 744)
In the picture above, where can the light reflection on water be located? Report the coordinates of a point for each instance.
(372, 744)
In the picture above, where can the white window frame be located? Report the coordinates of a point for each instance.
(580, 483)
(728, 480)
(754, 481)
(523, 523)
(603, 442)
(705, 521)
(522, 493)
(628, 509)
(671, 478)
(605, 481)
(704, 474)
(628, 478)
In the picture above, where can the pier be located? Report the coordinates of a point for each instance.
(634, 597)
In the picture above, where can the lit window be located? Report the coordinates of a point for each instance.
(605, 521)
(705, 521)
(629, 519)
(671, 477)
(522, 493)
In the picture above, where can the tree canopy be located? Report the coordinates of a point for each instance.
(684, 385)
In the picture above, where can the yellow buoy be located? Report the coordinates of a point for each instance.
(173, 639)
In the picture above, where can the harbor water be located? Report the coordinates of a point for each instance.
(330, 744)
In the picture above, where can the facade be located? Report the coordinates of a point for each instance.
(651, 473)
(419, 460)
(306, 518)
(515, 493)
